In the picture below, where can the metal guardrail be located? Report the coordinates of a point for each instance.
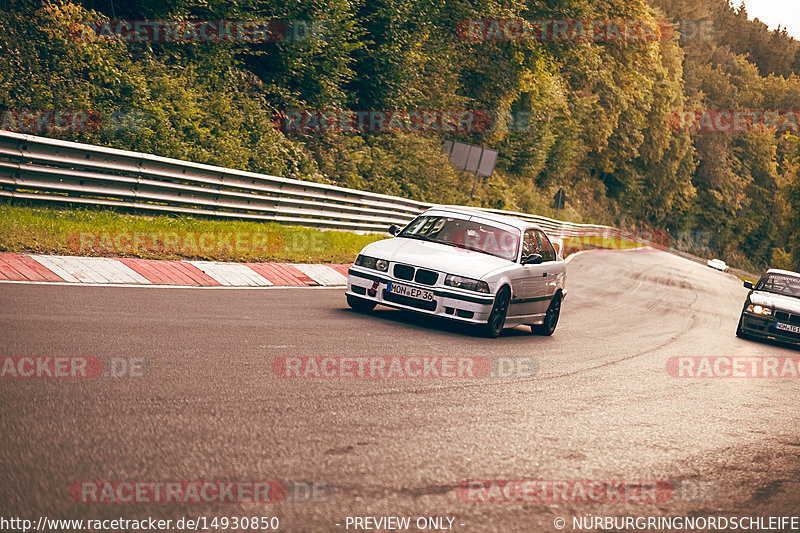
(45, 169)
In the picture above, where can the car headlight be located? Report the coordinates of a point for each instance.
(466, 283)
(372, 262)
(759, 310)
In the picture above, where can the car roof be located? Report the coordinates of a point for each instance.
(471, 211)
(783, 272)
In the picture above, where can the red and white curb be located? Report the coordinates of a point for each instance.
(129, 271)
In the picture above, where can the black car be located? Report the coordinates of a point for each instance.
(772, 308)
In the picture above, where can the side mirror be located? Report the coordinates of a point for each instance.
(394, 229)
(533, 259)
(748, 284)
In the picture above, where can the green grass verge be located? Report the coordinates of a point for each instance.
(107, 233)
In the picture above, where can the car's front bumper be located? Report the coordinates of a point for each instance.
(764, 326)
(465, 306)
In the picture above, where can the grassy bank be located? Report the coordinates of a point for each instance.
(106, 233)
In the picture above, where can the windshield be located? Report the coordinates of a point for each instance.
(467, 234)
(786, 285)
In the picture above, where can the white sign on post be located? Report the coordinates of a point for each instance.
(474, 159)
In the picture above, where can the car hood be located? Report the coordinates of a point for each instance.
(776, 301)
(435, 256)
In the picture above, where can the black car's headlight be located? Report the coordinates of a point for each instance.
(759, 310)
(466, 283)
(372, 262)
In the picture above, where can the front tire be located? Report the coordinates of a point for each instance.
(548, 326)
(359, 304)
(497, 318)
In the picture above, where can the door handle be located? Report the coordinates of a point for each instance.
(544, 274)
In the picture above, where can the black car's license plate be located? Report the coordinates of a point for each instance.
(787, 327)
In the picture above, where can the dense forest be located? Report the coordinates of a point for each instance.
(606, 119)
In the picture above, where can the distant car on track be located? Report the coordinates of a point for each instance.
(718, 264)
(467, 265)
(772, 308)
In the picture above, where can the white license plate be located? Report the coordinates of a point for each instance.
(410, 292)
(787, 327)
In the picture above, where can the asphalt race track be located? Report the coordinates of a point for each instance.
(210, 407)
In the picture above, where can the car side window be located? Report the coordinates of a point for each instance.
(530, 245)
(546, 247)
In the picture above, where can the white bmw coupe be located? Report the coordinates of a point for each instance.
(467, 265)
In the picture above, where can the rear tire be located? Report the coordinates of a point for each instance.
(359, 304)
(548, 326)
(497, 318)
